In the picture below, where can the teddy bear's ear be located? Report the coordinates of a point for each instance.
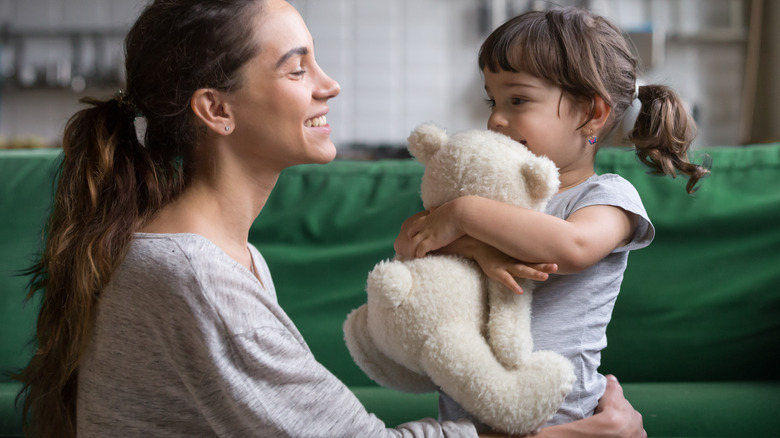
(426, 140)
(541, 178)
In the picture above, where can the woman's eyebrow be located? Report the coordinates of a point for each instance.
(296, 51)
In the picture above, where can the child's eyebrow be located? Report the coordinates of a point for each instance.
(522, 85)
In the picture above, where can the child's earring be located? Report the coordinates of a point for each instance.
(592, 139)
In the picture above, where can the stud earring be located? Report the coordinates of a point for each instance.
(227, 128)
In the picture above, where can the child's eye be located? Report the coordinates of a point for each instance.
(518, 101)
(490, 103)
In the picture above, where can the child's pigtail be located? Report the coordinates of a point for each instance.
(663, 133)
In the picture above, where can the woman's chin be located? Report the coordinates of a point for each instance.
(326, 154)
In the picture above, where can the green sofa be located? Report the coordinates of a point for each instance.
(695, 337)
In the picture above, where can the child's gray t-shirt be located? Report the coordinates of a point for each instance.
(187, 342)
(570, 313)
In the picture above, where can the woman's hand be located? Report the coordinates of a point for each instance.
(614, 418)
(617, 414)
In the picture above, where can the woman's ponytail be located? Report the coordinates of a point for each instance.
(663, 133)
(107, 186)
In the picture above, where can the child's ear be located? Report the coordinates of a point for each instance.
(211, 110)
(601, 112)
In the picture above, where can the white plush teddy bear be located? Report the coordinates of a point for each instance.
(438, 322)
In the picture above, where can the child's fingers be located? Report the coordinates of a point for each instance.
(544, 267)
(417, 224)
(505, 278)
(532, 272)
(424, 247)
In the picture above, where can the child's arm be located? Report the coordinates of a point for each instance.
(574, 244)
(494, 263)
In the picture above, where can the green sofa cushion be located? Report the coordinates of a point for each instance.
(25, 196)
(707, 409)
(10, 415)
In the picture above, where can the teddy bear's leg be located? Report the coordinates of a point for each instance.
(509, 324)
(374, 363)
(515, 401)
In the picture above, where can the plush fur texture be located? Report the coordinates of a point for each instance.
(438, 322)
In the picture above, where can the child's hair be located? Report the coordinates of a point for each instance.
(110, 183)
(586, 55)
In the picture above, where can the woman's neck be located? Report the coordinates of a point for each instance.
(219, 208)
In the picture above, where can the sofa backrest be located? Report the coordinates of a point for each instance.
(25, 195)
(701, 303)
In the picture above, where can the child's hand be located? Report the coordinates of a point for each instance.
(404, 249)
(504, 269)
(434, 230)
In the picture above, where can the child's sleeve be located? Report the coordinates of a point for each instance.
(618, 192)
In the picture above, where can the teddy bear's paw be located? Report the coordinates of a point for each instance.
(554, 370)
(389, 284)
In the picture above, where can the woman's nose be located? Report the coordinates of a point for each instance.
(327, 87)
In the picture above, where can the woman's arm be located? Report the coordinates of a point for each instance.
(587, 236)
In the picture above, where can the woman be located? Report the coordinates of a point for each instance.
(158, 317)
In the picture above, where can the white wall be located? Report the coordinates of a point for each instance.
(400, 62)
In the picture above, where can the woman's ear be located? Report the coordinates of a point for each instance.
(212, 111)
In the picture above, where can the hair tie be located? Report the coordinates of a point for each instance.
(123, 101)
(139, 121)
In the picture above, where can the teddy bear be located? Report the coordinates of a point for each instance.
(438, 322)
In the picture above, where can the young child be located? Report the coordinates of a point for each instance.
(557, 81)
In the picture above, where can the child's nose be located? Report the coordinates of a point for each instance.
(496, 122)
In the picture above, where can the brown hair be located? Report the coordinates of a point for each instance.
(110, 183)
(586, 56)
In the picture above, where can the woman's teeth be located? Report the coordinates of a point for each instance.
(317, 121)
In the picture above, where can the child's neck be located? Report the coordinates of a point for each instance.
(573, 179)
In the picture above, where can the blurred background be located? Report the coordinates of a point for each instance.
(404, 62)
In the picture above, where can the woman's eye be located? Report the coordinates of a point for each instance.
(299, 72)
